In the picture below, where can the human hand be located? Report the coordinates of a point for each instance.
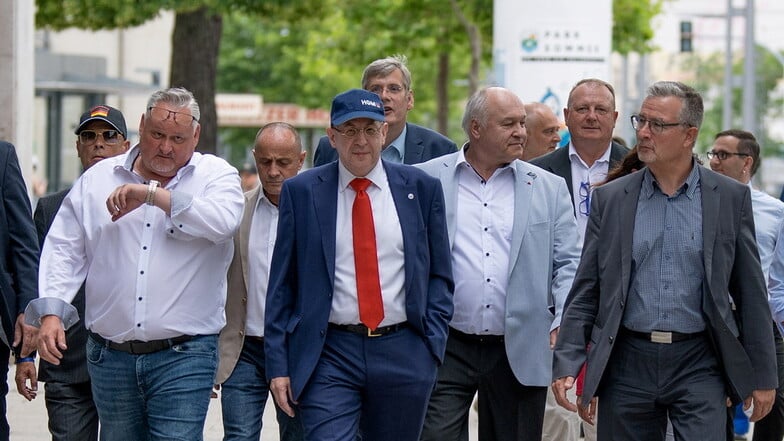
(281, 392)
(26, 371)
(560, 386)
(124, 199)
(51, 339)
(25, 335)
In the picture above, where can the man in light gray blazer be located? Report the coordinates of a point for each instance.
(515, 250)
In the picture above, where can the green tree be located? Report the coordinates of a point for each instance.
(709, 81)
(195, 40)
(633, 25)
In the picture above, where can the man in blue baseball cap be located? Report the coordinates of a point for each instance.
(360, 288)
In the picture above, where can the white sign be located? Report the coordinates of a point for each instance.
(541, 49)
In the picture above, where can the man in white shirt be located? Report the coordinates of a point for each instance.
(241, 376)
(515, 250)
(150, 232)
(360, 290)
(590, 116)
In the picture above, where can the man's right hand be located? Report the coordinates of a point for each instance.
(560, 386)
(281, 392)
(51, 339)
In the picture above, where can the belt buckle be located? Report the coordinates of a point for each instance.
(371, 334)
(661, 337)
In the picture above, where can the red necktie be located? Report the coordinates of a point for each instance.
(371, 307)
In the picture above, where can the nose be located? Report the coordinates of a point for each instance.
(714, 161)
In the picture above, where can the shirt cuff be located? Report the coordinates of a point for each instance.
(51, 306)
(179, 202)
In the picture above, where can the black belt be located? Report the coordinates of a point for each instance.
(661, 336)
(138, 347)
(475, 338)
(364, 330)
(255, 338)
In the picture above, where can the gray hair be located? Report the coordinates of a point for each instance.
(177, 97)
(476, 110)
(691, 101)
(384, 67)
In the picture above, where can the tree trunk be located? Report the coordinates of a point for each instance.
(194, 65)
(475, 41)
(442, 94)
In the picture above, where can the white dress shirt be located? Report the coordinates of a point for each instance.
(263, 232)
(480, 253)
(768, 226)
(148, 276)
(581, 173)
(389, 248)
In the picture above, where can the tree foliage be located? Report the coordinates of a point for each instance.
(709, 81)
(633, 25)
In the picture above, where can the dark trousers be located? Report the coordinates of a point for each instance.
(771, 428)
(646, 382)
(71, 410)
(376, 385)
(5, 355)
(508, 410)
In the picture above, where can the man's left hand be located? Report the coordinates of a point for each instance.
(25, 372)
(763, 402)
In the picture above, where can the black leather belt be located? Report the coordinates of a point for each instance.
(364, 330)
(661, 336)
(138, 347)
(475, 338)
(255, 338)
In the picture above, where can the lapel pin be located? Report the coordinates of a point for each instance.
(411, 195)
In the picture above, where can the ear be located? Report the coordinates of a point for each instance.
(331, 135)
(691, 137)
(410, 104)
(301, 159)
(474, 128)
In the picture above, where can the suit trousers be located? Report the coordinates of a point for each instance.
(508, 410)
(376, 386)
(646, 382)
(771, 428)
(71, 410)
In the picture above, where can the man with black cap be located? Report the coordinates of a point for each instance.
(101, 134)
(360, 290)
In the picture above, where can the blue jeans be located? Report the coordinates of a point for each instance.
(153, 397)
(244, 395)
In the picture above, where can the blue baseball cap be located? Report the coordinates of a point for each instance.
(356, 103)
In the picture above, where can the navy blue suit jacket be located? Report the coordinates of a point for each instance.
(422, 145)
(302, 273)
(18, 242)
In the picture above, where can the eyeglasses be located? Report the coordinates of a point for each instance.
(89, 137)
(392, 89)
(722, 155)
(179, 118)
(351, 132)
(585, 198)
(656, 127)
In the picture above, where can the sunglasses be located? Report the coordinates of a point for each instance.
(110, 137)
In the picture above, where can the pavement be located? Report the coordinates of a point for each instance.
(28, 420)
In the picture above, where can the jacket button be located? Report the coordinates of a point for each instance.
(611, 339)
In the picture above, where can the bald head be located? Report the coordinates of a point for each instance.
(542, 126)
